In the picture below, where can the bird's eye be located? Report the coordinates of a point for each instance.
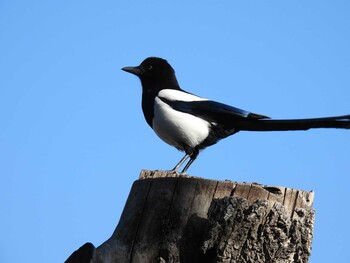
(150, 67)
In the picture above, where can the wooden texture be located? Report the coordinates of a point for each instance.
(172, 219)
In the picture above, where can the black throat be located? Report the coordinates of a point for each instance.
(150, 91)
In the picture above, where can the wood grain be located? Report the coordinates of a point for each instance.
(172, 218)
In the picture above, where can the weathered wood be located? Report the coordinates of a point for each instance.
(168, 218)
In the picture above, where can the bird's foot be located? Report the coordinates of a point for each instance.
(178, 174)
(173, 171)
(183, 174)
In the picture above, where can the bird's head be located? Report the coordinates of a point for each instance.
(154, 71)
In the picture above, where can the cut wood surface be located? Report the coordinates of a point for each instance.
(169, 218)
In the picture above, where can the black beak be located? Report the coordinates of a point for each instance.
(133, 70)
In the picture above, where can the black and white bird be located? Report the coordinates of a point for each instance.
(191, 123)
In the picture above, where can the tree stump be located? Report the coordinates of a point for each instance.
(172, 219)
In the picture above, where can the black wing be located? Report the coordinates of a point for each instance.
(212, 111)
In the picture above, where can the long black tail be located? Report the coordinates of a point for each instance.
(341, 122)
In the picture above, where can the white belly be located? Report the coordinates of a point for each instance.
(178, 128)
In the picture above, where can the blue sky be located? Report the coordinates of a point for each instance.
(72, 134)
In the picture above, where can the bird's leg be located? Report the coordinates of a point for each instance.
(174, 170)
(193, 157)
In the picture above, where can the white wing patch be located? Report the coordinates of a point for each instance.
(174, 126)
(171, 94)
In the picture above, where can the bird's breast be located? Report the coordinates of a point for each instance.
(177, 128)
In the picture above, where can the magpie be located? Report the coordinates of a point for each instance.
(191, 123)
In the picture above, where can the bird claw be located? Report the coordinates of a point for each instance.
(178, 174)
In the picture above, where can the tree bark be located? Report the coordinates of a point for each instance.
(173, 219)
